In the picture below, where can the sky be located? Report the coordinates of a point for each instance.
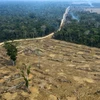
(55, 0)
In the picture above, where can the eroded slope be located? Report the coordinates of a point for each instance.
(67, 71)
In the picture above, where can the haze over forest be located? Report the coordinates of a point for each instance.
(57, 0)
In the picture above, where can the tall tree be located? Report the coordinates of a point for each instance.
(11, 51)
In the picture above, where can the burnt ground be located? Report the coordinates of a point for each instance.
(59, 71)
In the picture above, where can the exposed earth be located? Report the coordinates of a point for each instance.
(59, 71)
(93, 10)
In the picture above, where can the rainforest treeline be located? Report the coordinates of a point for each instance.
(85, 30)
(19, 20)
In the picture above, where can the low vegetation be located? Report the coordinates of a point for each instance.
(25, 74)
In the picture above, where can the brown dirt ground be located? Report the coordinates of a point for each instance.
(67, 71)
(97, 10)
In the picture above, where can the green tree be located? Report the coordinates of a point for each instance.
(25, 74)
(11, 51)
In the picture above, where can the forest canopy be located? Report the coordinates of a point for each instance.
(20, 20)
(85, 30)
(29, 19)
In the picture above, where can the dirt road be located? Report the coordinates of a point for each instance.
(38, 38)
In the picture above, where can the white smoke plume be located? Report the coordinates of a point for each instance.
(89, 2)
(64, 18)
(74, 17)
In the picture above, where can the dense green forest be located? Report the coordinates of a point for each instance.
(35, 19)
(85, 29)
(29, 19)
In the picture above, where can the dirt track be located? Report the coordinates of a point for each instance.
(47, 36)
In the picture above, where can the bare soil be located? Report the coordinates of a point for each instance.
(96, 10)
(59, 71)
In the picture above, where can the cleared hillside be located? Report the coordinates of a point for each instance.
(95, 10)
(67, 71)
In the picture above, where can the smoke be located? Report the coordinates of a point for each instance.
(89, 2)
(64, 18)
(74, 17)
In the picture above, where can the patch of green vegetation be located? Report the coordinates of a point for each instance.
(25, 74)
(11, 51)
